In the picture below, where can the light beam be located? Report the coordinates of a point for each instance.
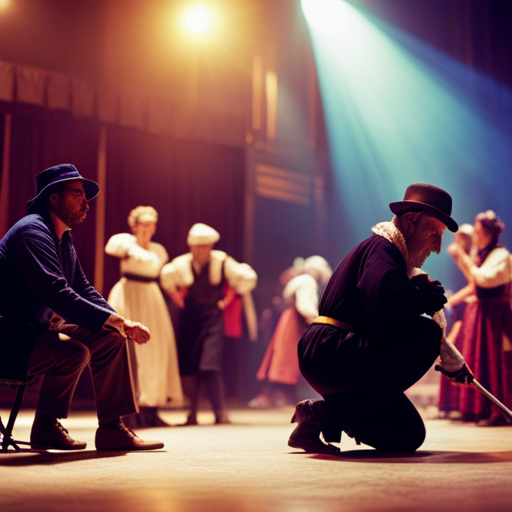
(398, 112)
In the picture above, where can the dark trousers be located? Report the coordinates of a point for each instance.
(61, 363)
(213, 385)
(363, 379)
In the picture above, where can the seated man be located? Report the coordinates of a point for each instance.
(44, 290)
(375, 335)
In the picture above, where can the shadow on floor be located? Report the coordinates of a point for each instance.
(434, 457)
(29, 457)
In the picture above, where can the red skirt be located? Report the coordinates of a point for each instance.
(485, 324)
(281, 362)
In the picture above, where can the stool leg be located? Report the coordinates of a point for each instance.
(7, 431)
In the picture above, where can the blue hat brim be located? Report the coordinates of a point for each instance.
(91, 188)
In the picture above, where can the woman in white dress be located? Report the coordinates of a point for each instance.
(137, 295)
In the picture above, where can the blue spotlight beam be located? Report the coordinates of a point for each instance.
(399, 112)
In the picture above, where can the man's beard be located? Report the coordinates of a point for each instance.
(72, 219)
(417, 259)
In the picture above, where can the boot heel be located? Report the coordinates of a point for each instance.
(298, 411)
(296, 414)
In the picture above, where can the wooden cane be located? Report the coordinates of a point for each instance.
(491, 397)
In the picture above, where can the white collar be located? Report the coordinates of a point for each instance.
(392, 234)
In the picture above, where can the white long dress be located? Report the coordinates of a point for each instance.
(158, 376)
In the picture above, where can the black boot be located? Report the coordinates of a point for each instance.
(310, 416)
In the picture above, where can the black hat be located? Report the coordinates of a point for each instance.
(62, 173)
(429, 199)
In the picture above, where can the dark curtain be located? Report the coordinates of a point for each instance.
(40, 139)
(185, 181)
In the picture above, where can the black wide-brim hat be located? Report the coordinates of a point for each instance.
(429, 199)
(47, 180)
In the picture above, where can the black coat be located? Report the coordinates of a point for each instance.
(370, 289)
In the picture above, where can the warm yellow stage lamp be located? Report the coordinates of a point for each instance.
(197, 19)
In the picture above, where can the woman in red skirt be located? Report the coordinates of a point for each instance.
(486, 332)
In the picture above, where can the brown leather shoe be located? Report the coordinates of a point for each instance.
(122, 438)
(53, 436)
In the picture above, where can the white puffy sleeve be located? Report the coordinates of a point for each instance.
(240, 276)
(119, 245)
(177, 274)
(305, 290)
(125, 245)
(496, 270)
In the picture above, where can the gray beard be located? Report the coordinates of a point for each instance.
(418, 259)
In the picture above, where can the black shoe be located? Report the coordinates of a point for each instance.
(51, 435)
(310, 441)
(306, 435)
(120, 437)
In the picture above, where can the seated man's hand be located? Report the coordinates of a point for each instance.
(461, 376)
(136, 332)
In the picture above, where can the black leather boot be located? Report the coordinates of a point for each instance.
(310, 416)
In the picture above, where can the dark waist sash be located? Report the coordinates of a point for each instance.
(492, 293)
(142, 279)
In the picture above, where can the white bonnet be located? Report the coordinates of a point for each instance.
(201, 234)
(316, 262)
(319, 264)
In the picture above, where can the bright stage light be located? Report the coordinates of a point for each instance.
(325, 14)
(198, 19)
(331, 17)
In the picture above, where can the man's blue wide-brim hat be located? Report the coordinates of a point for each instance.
(47, 180)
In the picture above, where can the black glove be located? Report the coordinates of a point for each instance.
(462, 376)
(431, 293)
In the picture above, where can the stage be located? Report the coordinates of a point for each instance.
(247, 466)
